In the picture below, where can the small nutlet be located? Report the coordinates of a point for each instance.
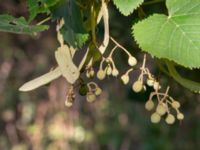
(101, 74)
(155, 118)
(125, 79)
(98, 91)
(150, 82)
(175, 104)
(170, 119)
(115, 72)
(132, 61)
(68, 103)
(180, 116)
(156, 86)
(149, 105)
(137, 86)
(109, 70)
(92, 73)
(90, 97)
(161, 109)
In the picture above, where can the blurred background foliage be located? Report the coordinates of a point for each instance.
(117, 120)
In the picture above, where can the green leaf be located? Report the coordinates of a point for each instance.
(126, 7)
(189, 84)
(36, 7)
(50, 3)
(73, 31)
(33, 9)
(19, 25)
(73, 38)
(176, 36)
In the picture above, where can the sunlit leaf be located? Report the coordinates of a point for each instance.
(176, 36)
(126, 7)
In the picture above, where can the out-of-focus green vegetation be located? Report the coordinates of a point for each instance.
(39, 120)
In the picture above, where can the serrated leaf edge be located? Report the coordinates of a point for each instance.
(130, 11)
(189, 67)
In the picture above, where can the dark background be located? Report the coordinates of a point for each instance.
(117, 120)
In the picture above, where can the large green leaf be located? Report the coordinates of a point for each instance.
(18, 25)
(126, 7)
(176, 36)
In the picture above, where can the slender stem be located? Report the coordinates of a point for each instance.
(92, 84)
(143, 70)
(127, 72)
(43, 21)
(111, 53)
(165, 94)
(120, 46)
(144, 62)
(158, 94)
(101, 64)
(93, 24)
(113, 65)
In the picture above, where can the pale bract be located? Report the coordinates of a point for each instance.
(66, 68)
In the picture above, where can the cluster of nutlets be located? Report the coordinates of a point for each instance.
(165, 102)
(164, 106)
(110, 67)
(91, 90)
(139, 85)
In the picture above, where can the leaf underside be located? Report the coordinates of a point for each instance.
(126, 7)
(176, 36)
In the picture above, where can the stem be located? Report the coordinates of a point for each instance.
(93, 24)
(43, 21)
(127, 72)
(143, 71)
(120, 46)
(101, 64)
(165, 94)
(111, 53)
(113, 65)
(92, 84)
(144, 62)
(159, 94)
